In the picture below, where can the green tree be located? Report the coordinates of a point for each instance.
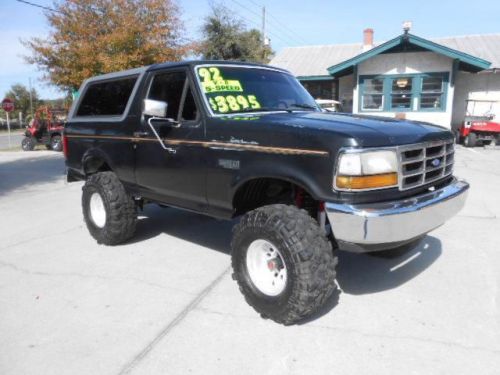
(90, 37)
(21, 96)
(227, 38)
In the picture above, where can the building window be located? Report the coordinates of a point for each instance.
(403, 93)
(373, 94)
(431, 93)
(321, 89)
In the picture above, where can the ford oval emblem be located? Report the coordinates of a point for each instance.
(435, 162)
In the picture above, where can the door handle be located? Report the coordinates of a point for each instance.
(140, 134)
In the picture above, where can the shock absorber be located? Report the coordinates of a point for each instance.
(305, 201)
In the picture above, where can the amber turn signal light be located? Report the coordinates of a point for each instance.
(367, 182)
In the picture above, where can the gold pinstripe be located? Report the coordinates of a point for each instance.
(211, 144)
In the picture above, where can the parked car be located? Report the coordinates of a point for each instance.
(228, 140)
(329, 105)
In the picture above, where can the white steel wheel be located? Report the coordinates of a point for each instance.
(97, 210)
(266, 267)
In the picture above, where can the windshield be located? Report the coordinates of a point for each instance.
(230, 89)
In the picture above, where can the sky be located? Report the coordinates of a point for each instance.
(289, 23)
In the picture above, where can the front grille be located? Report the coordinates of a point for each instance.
(423, 163)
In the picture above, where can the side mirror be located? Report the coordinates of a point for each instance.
(155, 108)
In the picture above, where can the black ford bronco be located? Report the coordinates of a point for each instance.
(234, 139)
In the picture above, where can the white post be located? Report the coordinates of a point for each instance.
(31, 99)
(8, 126)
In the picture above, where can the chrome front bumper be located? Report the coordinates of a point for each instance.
(397, 221)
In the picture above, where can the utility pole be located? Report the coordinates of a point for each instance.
(264, 25)
(264, 42)
(31, 100)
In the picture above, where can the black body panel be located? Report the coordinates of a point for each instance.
(216, 155)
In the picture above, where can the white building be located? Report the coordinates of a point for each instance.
(406, 77)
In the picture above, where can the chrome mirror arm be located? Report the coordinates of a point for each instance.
(169, 149)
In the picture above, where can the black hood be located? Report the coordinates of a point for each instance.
(367, 131)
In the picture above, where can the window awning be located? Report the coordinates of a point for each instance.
(411, 43)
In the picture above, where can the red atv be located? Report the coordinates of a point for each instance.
(478, 125)
(46, 128)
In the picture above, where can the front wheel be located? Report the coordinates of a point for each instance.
(109, 212)
(56, 143)
(470, 140)
(495, 141)
(28, 144)
(283, 263)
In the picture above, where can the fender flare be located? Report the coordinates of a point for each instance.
(93, 159)
(276, 171)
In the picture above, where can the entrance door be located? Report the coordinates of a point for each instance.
(176, 175)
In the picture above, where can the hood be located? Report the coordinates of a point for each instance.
(367, 131)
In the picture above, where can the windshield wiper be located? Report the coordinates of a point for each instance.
(302, 105)
(261, 109)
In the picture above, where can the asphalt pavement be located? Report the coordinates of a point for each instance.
(165, 303)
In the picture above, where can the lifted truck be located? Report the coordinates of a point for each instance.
(229, 140)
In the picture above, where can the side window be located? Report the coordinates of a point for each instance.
(168, 87)
(108, 98)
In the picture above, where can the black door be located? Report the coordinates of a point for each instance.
(175, 175)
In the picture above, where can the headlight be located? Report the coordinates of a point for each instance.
(367, 170)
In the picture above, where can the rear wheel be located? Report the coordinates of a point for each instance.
(470, 140)
(283, 263)
(56, 143)
(28, 144)
(109, 212)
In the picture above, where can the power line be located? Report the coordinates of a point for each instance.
(255, 23)
(40, 6)
(258, 15)
(282, 25)
(270, 32)
(286, 28)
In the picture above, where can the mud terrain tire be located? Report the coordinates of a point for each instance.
(117, 223)
(306, 252)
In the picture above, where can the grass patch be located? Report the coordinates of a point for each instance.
(12, 131)
(13, 148)
(19, 148)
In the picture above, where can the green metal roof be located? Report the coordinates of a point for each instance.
(406, 43)
(315, 78)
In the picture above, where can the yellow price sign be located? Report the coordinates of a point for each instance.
(212, 81)
(221, 86)
(231, 103)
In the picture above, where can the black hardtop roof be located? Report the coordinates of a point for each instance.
(191, 63)
(209, 62)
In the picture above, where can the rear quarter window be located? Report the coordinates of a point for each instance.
(106, 98)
